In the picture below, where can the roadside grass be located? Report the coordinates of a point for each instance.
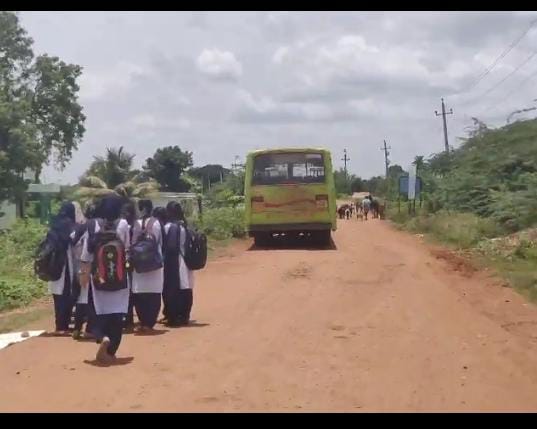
(513, 257)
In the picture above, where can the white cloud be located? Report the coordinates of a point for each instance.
(98, 83)
(152, 122)
(280, 54)
(219, 64)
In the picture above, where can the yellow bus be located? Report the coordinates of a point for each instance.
(290, 192)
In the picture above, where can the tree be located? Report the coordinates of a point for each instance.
(40, 117)
(358, 185)
(113, 173)
(167, 166)
(419, 162)
(114, 168)
(209, 174)
(342, 181)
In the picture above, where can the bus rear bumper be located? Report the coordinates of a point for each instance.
(288, 227)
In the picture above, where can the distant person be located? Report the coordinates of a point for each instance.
(59, 237)
(84, 309)
(105, 249)
(375, 208)
(178, 278)
(147, 279)
(366, 205)
(160, 213)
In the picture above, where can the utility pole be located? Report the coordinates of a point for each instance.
(236, 165)
(345, 159)
(386, 159)
(443, 114)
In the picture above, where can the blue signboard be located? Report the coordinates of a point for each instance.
(403, 185)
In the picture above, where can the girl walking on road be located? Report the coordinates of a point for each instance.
(178, 279)
(61, 289)
(110, 305)
(147, 286)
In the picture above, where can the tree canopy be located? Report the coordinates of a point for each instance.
(167, 166)
(40, 117)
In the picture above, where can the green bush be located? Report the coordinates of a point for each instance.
(18, 284)
(463, 230)
(223, 223)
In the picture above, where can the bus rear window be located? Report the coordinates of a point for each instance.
(288, 168)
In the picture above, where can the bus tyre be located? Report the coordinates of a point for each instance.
(262, 239)
(322, 237)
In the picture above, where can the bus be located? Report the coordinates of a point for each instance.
(290, 192)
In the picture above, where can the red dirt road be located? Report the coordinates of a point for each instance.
(379, 324)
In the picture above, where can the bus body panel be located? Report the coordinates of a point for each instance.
(290, 206)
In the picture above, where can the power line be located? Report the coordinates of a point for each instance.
(510, 93)
(509, 75)
(502, 55)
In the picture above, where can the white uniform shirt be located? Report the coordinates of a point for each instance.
(153, 281)
(186, 276)
(110, 302)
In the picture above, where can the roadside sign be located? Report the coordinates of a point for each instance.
(412, 182)
(403, 186)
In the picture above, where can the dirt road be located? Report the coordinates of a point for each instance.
(380, 323)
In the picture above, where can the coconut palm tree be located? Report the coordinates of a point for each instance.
(419, 162)
(113, 174)
(114, 168)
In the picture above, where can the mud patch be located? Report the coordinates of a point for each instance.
(300, 271)
(455, 262)
(526, 329)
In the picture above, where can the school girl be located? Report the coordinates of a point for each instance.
(147, 287)
(178, 279)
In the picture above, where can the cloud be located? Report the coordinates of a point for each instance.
(320, 78)
(152, 122)
(220, 65)
(280, 54)
(102, 82)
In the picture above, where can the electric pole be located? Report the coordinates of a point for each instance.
(345, 159)
(443, 114)
(236, 165)
(386, 159)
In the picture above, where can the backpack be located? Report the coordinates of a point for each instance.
(144, 255)
(50, 258)
(109, 265)
(195, 256)
(195, 249)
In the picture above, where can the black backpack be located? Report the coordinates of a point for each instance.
(144, 255)
(195, 256)
(109, 268)
(50, 257)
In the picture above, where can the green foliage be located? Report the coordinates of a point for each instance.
(493, 174)
(229, 193)
(18, 285)
(223, 223)
(166, 167)
(112, 169)
(113, 174)
(39, 111)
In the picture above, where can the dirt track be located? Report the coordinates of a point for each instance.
(381, 323)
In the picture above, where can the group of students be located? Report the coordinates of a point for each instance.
(109, 313)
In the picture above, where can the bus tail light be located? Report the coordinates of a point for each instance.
(321, 201)
(258, 199)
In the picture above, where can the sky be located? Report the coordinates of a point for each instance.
(220, 84)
